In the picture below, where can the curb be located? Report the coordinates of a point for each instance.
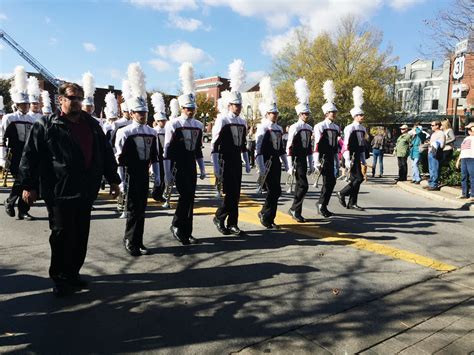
(445, 195)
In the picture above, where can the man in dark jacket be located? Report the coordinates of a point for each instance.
(63, 161)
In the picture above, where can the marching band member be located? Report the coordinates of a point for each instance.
(354, 155)
(136, 149)
(269, 152)
(46, 101)
(326, 148)
(111, 113)
(160, 118)
(183, 145)
(229, 144)
(34, 93)
(88, 83)
(14, 132)
(298, 148)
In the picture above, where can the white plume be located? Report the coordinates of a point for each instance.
(33, 87)
(88, 84)
(268, 95)
(20, 81)
(358, 96)
(111, 106)
(174, 107)
(302, 91)
(126, 90)
(263, 109)
(136, 77)
(45, 98)
(237, 75)
(186, 75)
(158, 102)
(2, 105)
(329, 91)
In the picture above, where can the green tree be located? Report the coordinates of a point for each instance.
(205, 106)
(351, 57)
(4, 91)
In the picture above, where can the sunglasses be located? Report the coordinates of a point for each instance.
(73, 98)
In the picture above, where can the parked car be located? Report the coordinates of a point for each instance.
(206, 137)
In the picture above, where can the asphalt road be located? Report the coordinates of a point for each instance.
(227, 292)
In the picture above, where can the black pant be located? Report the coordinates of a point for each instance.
(273, 192)
(136, 204)
(186, 185)
(329, 180)
(301, 187)
(232, 180)
(69, 222)
(15, 194)
(402, 168)
(356, 179)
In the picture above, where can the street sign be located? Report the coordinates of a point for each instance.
(461, 47)
(458, 68)
(456, 91)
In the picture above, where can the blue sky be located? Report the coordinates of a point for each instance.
(72, 37)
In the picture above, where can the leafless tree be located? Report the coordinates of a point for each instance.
(450, 26)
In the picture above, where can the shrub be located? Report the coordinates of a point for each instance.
(449, 174)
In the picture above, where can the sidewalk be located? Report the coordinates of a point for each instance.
(447, 194)
(432, 316)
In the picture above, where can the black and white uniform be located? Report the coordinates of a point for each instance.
(116, 126)
(14, 132)
(299, 151)
(325, 156)
(229, 143)
(35, 115)
(183, 147)
(108, 128)
(136, 150)
(161, 144)
(354, 144)
(269, 145)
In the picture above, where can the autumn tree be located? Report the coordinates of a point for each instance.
(351, 56)
(4, 91)
(205, 106)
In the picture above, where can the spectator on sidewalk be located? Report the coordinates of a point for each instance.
(435, 154)
(466, 162)
(417, 139)
(401, 152)
(450, 138)
(378, 145)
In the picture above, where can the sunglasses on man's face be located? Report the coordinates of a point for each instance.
(73, 98)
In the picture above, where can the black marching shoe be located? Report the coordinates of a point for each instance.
(355, 207)
(263, 222)
(220, 226)
(178, 237)
(143, 250)
(62, 290)
(273, 226)
(131, 249)
(193, 240)
(234, 230)
(9, 209)
(323, 211)
(297, 217)
(25, 216)
(78, 283)
(341, 199)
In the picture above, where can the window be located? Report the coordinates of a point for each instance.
(430, 98)
(403, 96)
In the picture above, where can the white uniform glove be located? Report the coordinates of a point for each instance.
(121, 173)
(284, 159)
(215, 163)
(245, 156)
(260, 164)
(168, 175)
(156, 173)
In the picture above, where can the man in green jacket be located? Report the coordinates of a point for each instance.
(402, 150)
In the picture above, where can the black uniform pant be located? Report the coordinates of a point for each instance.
(301, 187)
(136, 204)
(273, 185)
(69, 222)
(356, 179)
(16, 193)
(186, 185)
(329, 180)
(402, 168)
(232, 180)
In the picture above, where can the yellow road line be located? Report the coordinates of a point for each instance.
(248, 210)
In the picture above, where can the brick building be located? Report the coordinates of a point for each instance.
(212, 87)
